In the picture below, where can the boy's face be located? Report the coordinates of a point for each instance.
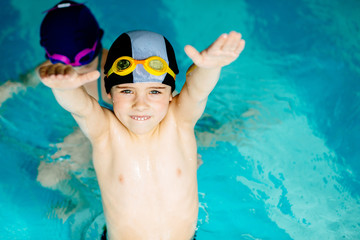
(141, 106)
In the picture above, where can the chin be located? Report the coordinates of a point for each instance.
(141, 131)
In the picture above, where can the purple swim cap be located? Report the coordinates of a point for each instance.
(67, 29)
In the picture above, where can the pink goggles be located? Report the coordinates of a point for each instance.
(82, 58)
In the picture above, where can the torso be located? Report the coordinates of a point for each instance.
(148, 188)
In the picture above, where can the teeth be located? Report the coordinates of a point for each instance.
(140, 118)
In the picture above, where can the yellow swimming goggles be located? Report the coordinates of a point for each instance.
(153, 65)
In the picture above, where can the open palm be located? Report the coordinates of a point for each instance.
(62, 77)
(222, 52)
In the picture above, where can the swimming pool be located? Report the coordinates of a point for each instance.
(279, 138)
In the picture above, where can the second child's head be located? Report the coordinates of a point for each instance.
(70, 34)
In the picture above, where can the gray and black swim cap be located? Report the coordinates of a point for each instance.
(140, 45)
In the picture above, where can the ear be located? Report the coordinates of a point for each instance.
(109, 95)
(171, 97)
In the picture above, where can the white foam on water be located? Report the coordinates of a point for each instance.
(301, 178)
(294, 173)
(9, 89)
(70, 171)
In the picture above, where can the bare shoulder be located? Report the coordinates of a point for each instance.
(97, 126)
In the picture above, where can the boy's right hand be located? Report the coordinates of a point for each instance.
(222, 52)
(64, 77)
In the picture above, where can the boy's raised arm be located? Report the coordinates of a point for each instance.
(204, 74)
(66, 85)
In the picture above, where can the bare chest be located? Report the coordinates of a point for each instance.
(151, 185)
(163, 171)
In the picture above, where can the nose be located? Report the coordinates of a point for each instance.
(140, 103)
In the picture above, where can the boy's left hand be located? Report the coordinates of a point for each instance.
(222, 52)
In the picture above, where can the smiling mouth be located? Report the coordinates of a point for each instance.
(140, 118)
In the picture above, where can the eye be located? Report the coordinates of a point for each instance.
(155, 92)
(126, 91)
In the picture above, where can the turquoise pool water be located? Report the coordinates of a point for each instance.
(279, 138)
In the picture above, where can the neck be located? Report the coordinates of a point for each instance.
(145, 136)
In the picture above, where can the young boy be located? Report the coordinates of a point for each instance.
(145, 153)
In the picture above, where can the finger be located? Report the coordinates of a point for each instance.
(236, 38)
(88, 77)
(218, 44)
(54, 70)
(192, 53)
(240, 47)
(42, 71)
(50, 70)
(232, 42)
(59, 69)
(69, 70)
